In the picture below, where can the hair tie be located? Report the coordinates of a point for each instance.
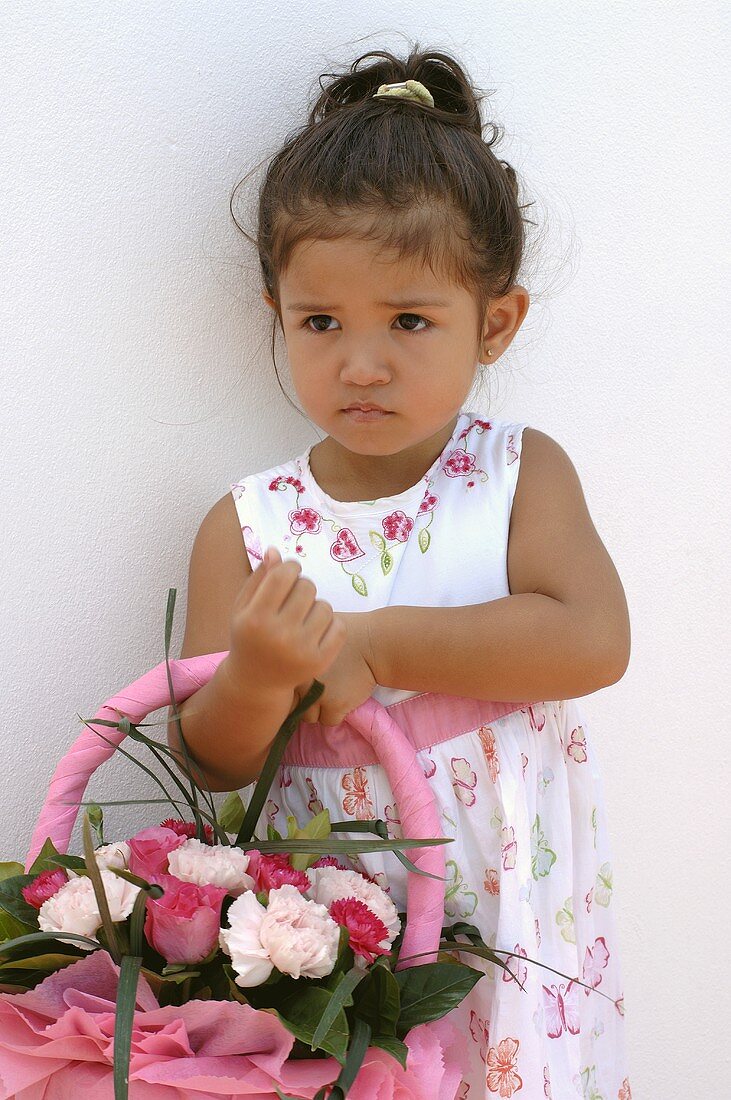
(407, 89)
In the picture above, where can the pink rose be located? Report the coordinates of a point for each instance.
(44, 887)
(149, 851)
(183, 924)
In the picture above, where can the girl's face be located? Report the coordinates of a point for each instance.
(362, 326)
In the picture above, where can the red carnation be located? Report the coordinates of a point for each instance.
(186, 828)
(44, 887)
(367, 931)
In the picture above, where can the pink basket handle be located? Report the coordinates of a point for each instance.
(412, 792)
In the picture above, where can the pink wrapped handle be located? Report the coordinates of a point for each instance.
(411, 790)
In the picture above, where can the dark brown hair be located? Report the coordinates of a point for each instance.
(420, 180)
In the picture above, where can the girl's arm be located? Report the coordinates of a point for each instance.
(563, 633)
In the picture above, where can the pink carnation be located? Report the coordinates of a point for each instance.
(44, 887)
(327, 861)
(368, 933)
(271, 871)
(186, 829)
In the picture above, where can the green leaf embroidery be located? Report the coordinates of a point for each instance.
(424, 540)
(459, 900)
(359, 584)
(377, 540)
(386, 562)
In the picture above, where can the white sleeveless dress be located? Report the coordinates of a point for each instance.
(517, 786)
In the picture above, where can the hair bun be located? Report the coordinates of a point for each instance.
(455, 97)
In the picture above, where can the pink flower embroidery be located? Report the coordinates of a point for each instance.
(397, 526)
(459, 463)
(482, 426)
(480, 1032)
(345, 547)
(502, 1061)
(492, 881)
(357, 802)
(304, 519)
(487, 739)
(429, 503)
(271, 811)
(282, 483)
(511, 451)
(589, 899)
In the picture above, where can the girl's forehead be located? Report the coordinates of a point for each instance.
(352, 262)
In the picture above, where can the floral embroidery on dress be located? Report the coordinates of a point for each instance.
(304, 519)
(492, 881)
(357, 803)
(502, 1062)
(252, 543)
(513, 455)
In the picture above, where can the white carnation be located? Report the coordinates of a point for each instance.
(207, 865)
(330, 884)
(242, 941)
(113, 855)
(73, 908)
(299, 934)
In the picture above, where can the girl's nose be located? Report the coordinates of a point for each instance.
(364, 367)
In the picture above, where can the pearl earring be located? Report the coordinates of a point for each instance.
(489, 351)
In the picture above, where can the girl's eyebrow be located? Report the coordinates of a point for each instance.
(402, 303)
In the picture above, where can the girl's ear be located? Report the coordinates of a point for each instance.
(269, 300)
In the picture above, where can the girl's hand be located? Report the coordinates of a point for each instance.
(281, 635)
(349, 680)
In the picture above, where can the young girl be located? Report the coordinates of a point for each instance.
(429, 555)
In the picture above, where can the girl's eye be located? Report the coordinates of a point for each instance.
(318, 317)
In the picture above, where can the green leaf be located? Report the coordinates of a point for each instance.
(276, 751)
(10, 870)
(301, 1012)
(317, 828)
(74, 863)
(95, 875)
(386, 562)
(45, 860)
(231, 814)
(123, 1019)
(330, 846)
(377, 540)
(394, 1046)
(354, 1058)
(39, 937)
(14, 904)
(378, 1001)
(359, 584)
(9, 927)
(341, 997)
(48, 963)
(430, 991)
(424, 540)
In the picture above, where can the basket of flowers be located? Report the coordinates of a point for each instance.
(195, 959)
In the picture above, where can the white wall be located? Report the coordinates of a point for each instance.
(137, 384)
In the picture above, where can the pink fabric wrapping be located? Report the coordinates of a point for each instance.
(57, 1040)
(425, 896)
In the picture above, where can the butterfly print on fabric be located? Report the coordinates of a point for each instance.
(271, 809)
(492, 881)
(625, 1092)
(459, 900)
(480, 1032)
(502, 1062)
(565, 921)
(542, 857)
(512, 454)
(576, 748)
(561, 1006)
(595, 960)
(518, 970)
(536, 716)
(314, 805)
(603, 887)
(509, 847)
(465, 780)
(547, 1084)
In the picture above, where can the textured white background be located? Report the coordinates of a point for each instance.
(137, 384)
